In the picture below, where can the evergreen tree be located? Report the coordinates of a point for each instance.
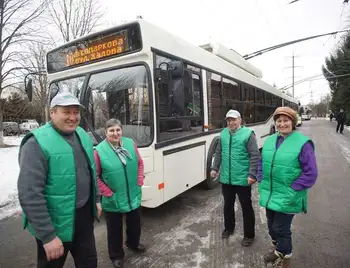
(337, 71)
(15, 106)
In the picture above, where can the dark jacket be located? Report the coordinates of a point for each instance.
(341, 118)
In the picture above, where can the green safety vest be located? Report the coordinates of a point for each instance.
(60, 189)
(281, 168)
(121, 179)
(234, 156)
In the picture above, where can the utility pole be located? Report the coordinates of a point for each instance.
(311, 94)
(293, 72)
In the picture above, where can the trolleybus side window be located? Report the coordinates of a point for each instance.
(215, 101)
(260, 96)
(232, 95)
(179, 99)
(249, 106)
(260, 109)
(231, 90)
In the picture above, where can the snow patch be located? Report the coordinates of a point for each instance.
(9, 170)
(186, 237)
(238, 265)
(344, 145)
(13, 140)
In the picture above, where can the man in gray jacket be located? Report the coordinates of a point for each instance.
(57, 187)
(237, 153)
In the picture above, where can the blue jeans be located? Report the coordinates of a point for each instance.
(279, 225)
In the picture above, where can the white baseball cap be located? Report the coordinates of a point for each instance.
(65, 98)
(233, 114)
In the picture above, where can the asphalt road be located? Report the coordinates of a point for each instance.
(186, 231)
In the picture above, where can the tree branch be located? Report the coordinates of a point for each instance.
(34, 15)
(78, 18)
(13, 9)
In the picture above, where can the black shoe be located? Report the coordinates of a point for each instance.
(246, 242)
(139, 249)
(226, 234)
(118, 263)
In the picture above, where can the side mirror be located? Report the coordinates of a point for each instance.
(29, 89)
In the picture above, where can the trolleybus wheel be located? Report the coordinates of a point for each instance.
(211, 183)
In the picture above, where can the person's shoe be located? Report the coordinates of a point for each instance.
(271, 256)
(118, 263)
(246, 242)
(139, 249)
(282, 263)
(226, 234)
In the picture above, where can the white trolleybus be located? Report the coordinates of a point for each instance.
(171, 97)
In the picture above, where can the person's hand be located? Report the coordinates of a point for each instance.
(54, 249)
(251, 181)
(98, 209)
(213, 173)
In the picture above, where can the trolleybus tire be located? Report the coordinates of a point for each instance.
(211, 183)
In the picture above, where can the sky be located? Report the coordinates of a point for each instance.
(247, 26)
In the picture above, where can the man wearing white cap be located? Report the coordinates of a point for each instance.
(57, 187)
(237, 153)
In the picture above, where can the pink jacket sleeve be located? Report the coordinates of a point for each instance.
(105, 191)
(140, 170)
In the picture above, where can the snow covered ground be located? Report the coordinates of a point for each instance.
(9, 205)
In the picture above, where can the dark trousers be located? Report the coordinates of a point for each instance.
(114, 223)
(245, 198)
(340, 126)
(279, 225)
(82, 248)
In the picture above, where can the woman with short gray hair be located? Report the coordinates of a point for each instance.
(120, 173)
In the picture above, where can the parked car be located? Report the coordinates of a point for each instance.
(10, 128)
(28, 125)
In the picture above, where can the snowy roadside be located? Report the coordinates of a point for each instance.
(13, 140)
(9, 169)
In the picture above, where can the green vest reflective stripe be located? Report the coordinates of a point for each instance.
(281, 168)
(121, 179)
(60, 189)
(234, 156)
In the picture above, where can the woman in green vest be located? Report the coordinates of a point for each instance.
(120, 176)
(285, 173)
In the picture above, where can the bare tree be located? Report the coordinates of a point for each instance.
(36, 62)
(17, 26)
(75, 18)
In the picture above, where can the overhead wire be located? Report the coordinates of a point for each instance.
(340, 21)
